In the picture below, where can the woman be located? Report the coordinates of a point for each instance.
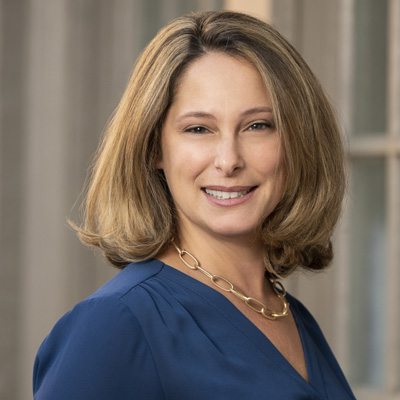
(221, 170)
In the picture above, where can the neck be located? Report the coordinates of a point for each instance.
(237, 259)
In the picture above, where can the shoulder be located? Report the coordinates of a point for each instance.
(301, 310)
(131, 276)
(94, 349)
(304, 316)
(106, 310)
(309, 326)
(317, 344)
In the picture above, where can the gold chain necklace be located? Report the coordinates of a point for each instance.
(227, 286)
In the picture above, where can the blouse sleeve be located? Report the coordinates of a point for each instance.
(96, 351)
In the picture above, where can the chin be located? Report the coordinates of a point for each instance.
(236, 231)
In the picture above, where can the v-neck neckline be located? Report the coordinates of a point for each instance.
(251, 331)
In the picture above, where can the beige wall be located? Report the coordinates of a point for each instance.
(258, 8)
(63, 67)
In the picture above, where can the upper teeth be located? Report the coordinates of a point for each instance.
(226, 195)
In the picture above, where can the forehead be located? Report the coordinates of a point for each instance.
(220, 77)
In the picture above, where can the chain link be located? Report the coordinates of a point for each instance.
(227, 286)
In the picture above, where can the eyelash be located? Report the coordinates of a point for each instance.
(256, 126)
(260, 126)
(197, 130)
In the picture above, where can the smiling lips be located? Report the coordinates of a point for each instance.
(227, 194)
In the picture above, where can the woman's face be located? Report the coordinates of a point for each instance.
(221, 153)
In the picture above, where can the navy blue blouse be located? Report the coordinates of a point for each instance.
(153, 332)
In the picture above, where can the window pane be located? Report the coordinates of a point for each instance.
(370, 61)
(367, 263)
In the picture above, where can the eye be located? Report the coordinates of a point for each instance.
(197, 129)
(258, 126)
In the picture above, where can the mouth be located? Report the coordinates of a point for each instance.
(229, 194)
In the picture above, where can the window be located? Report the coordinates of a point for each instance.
(373, 208)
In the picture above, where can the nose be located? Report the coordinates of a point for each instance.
(228, 158)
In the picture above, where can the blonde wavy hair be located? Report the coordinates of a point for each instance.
(129, 212)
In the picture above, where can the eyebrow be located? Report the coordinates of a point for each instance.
(201, 114)
(196, 114)
(256, 110)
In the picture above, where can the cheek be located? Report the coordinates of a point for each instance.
(179, 169)
(268, 161)
(191, 159)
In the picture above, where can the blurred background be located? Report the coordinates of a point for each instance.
(63, 67)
